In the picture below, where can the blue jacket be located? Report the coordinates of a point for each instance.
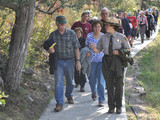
(126, 27)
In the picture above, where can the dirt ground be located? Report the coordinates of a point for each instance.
(136, 108)
(32, 98)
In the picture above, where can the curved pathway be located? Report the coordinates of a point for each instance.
(85, 108)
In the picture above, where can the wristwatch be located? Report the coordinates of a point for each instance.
(77, 59)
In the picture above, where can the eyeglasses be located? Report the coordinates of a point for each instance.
(104, 13)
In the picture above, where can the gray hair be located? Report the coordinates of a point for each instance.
(105, 9)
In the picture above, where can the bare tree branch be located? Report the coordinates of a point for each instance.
(52, 6)
(10, 4)
(50, 13)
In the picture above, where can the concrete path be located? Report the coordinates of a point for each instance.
(85, 108)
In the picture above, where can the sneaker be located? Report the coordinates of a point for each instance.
(70, 100)
(101, 104)
(94, 96)
(111, 111)
(58, 108)
(118, 110)
(82, 89)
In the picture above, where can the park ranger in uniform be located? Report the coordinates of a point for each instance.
(112, 65)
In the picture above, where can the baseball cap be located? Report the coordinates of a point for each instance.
(61, 19)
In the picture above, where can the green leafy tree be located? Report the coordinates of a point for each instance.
(22, 29)
(20, 35)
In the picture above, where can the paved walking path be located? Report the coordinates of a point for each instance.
(85, 108)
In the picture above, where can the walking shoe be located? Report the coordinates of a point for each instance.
(101, 104)
(77, 85)
(94, 96)
(118, 110)
(82, 89)
(111, 111)
(142, 41)
(58, 108)
(70, 100)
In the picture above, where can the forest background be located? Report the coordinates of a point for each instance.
(23, 48)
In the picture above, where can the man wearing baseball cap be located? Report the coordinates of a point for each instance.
(66, 50)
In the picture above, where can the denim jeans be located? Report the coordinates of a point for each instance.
(96, 80)
(64, 68)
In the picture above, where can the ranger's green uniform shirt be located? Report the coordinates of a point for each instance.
(119, 41)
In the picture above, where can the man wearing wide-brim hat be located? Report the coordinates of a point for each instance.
(112, 66)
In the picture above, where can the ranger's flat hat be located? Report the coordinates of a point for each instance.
(113, 21)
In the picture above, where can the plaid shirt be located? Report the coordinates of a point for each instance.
(65, 43)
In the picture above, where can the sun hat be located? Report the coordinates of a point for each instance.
(113, 21)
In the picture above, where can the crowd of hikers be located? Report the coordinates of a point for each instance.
(97, 50)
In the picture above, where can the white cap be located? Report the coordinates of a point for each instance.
(88, 11)
(141, 12)
(95, 18)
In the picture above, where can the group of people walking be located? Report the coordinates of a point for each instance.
(95, 48)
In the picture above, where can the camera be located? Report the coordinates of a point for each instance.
(140, 22)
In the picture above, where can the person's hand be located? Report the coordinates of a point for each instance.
(128, 37)
(78, 65)
(137, 28)
(147, 28)
(88, 54)
(116, 52)
(93, 46)
(51, 50)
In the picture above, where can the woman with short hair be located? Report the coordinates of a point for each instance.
(112, 66)
(96, 79)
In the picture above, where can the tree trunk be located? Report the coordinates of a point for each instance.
(21, 33)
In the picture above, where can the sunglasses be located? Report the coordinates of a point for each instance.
(104, 13)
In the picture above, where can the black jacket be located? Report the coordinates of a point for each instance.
(125, 56)
(52, 56)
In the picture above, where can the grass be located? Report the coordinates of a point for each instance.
(150, 76)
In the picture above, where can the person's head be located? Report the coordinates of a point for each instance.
(146, 11)
(120, 14)
(112, 25)
(135, 12)
(79, 32)
(105, 13)
(114, 15)
(97, 26)
(95, 18)
(84, 16)
(129, 14)
(125, 14)
(141, 13)
(61, 22)
(154, 8)
(89, 14)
